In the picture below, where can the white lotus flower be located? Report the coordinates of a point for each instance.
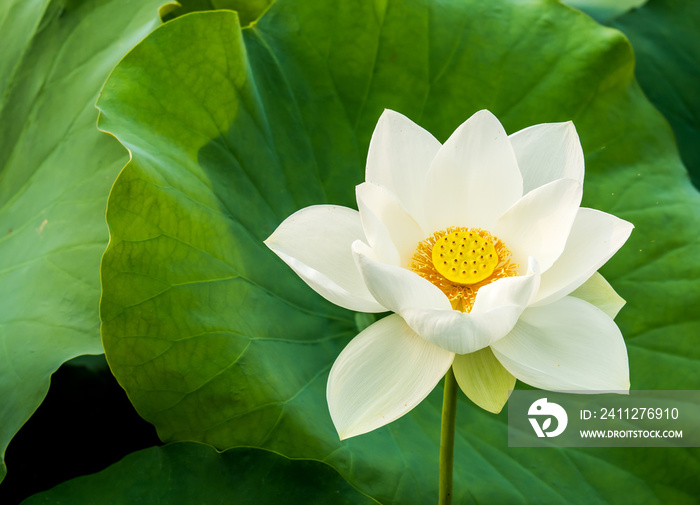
(481, 250)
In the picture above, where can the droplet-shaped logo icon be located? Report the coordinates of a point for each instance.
(541, 408)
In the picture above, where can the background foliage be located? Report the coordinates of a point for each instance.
(56, 170)
(664, 35)
(230, 130)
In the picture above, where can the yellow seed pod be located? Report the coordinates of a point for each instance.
(464, 257)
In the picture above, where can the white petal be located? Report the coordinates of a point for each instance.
(547, 152)
(316, 242)
(460, 332)
(539, 223)
(568, 345)
(391, 232)
(400, 154)
(483, 379)
(595, 236)
(598, 292)
(510, 291)
(474, 177)
(381, 375)
(494, 314)
(394, 287)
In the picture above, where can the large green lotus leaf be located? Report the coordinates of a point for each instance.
(55, 173)
(604, 10)
(19, 21)
(231, 130)
(187, 473)
(248, 10)
(665, 35)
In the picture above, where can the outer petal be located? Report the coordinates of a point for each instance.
(474, 177)
(547, 152)
(568, 345)
(394, 287)
(595, 236)
(391, 231)
(316, 242)
(400, 154)
(483, 379)
(381, 375)
(496, 311)
(598, 292)
(517, 291)
(539, 224)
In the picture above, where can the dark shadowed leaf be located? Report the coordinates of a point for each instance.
(665, 35)
(189, 473)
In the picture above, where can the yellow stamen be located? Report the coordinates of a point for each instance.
(459, 261)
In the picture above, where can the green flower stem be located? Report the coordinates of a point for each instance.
(447, 438)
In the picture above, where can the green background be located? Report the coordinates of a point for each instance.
(232, 129)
